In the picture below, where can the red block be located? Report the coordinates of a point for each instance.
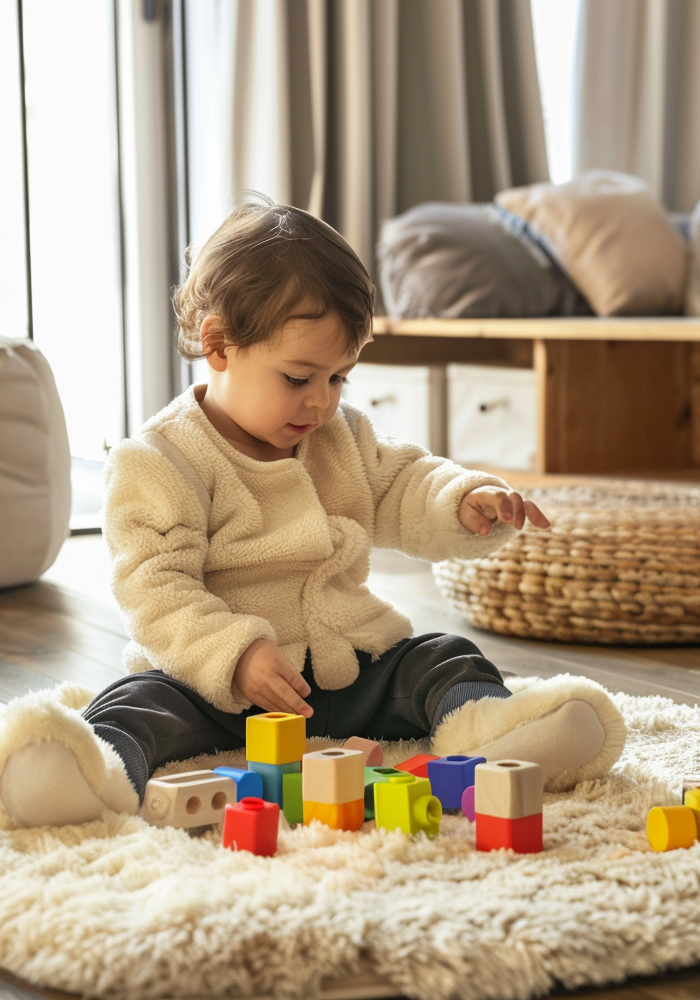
(417, 765)
(524, 835)
(251, 825)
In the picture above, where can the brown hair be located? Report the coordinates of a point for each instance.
(259, 266)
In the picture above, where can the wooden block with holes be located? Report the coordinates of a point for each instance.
(194, 798)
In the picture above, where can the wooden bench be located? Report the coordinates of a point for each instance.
(615, 396)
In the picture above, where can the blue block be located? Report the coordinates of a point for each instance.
(272, 775)
(449, 776)
(248, 783)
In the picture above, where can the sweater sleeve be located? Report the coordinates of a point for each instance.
(155, 526)
(417, 497)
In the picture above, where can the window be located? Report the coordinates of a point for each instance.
(555, 24)
(66, 290)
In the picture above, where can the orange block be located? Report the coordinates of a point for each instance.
(418, 765)
(339, 816)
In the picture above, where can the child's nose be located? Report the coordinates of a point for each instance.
(318, 398)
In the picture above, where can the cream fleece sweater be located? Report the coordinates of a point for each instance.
(212, 549)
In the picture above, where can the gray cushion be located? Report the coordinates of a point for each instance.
(447, 260)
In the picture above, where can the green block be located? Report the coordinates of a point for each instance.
(406, 802)
(292, 803)
(372, 776)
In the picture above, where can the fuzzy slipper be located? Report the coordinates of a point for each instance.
(567, 724)
(54, 769)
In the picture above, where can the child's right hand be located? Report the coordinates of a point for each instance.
(266, 677)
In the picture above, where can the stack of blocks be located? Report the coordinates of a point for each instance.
(275, 745)
(333, 788)
(508, 803)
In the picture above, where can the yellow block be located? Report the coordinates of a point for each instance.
(275, 738)
(691, 799)
(669, 827)
(406, 802)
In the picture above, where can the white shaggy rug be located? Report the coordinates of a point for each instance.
(120, 909)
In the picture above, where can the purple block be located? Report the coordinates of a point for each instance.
(449, 776)
(468, 803)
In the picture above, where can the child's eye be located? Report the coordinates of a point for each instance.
(296, 381)
(339, 378)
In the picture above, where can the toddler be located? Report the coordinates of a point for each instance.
(240, 521)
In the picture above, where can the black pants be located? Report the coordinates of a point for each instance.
(150, 718)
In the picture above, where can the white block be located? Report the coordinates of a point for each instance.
(195, 798)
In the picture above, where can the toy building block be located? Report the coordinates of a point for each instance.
(406, 802)
(333, 776)
(374, 755)
(523, 835)
(449, 776)
(248, 783)
(508, 806)
(292, 804)
(510, 789)
(372, 775)
(690, 785)
(418, 765)
(337, 815)
(691, 798)
(333, 787)
(272, 777)
(669, 827)
(195, 798)
(251, 825)
(468, 803)
(275, 738)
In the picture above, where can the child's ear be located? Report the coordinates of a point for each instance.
(213, 332)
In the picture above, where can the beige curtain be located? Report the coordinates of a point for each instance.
(638, 94)
(381, 104)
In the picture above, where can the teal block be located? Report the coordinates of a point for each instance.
(292, 799)
(372, 776)
(272, 775)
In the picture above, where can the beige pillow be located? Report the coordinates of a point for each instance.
(692, 293)
(611, 237)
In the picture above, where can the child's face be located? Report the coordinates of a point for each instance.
(265, 398)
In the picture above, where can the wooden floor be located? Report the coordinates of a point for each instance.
(67, 627)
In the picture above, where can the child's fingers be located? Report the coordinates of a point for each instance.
(473, 520)
(298, 683)
(535, 515)
(288, 699)
(517, 509)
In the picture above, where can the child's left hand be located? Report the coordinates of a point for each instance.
(486, 505)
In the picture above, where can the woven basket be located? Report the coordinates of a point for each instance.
(620, 565)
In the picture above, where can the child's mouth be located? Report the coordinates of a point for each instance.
(301, 428)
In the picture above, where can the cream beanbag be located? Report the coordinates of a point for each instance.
(612, 238)
(34, 464)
